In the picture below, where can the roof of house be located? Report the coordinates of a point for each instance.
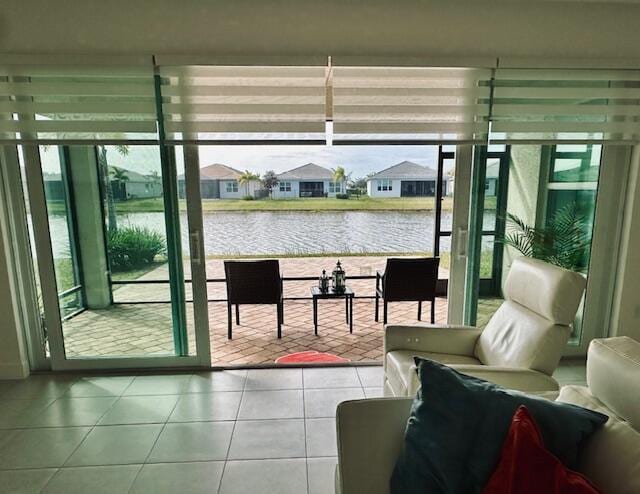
(130, 174)
(310, 171)
(408, 170)
(217, 171)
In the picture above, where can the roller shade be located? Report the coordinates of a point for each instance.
(60, 104)
(407, 103)
(215, 103)
(553, 105)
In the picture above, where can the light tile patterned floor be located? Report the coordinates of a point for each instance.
(262, 431)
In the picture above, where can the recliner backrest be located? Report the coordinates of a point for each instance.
(532, 326)
(613, 376)
(610, 457)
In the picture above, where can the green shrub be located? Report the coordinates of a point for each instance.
(134, 247)
(342, 196)
(248, 198)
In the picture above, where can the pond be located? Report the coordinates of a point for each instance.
(300, 232)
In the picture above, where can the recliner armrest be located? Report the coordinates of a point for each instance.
(370, 437)
(456, 340)
(525, 380)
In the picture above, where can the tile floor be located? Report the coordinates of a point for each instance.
(260, 431)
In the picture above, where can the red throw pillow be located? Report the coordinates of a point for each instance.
(526, 467)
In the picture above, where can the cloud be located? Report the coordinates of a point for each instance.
(358, 160)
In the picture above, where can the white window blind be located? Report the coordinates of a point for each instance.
(56, 103)
(217, 103)
(318, 103)
(407, 103)
(553, 105)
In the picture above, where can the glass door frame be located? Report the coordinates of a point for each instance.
(53, 320)
(605, 244)
(475, 286)
(16, 212)
(202, 358)
(460, 234)
(614, 169)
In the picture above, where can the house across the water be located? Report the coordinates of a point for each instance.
(308, 180)
(405, 179)
(219, 181)
(125, 184)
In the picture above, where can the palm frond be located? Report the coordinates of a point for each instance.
(565, 240)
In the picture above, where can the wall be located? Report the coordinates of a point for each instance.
(372, 186)
(143, 190)
(327, 183)
(524, 183)
(294, 193)
(243, 190)
(460, 28)
(91, 241)
(625, 317)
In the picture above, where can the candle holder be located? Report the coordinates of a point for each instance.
(338, 280)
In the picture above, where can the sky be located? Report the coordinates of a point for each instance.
(357, 160)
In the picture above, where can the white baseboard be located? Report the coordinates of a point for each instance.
(14, 371)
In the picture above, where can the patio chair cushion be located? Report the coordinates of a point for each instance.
(402, 371)
(448, 449)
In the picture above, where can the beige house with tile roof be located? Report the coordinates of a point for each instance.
(405, 179)
(308, 180)
(218, 181)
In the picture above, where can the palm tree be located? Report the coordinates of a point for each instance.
(103, 169)
(103, 166)
(119, 175)
(246, 178)
(340, 175)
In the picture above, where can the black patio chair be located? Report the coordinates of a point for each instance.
(253, 282)
(408, 280)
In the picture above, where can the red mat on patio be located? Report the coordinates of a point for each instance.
(309, 356)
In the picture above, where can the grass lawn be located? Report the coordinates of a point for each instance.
(364, 203)
(301, 204)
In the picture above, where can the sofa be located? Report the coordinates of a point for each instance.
(519, 348)
(370, 432)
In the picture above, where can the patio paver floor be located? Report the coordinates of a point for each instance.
(145, 329)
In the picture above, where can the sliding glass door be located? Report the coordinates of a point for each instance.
(532, 186)
(112, 252)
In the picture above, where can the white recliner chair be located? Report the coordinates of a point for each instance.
(520, 347)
